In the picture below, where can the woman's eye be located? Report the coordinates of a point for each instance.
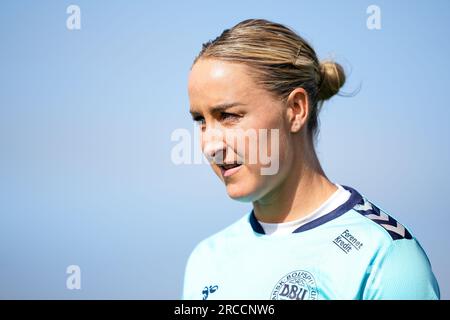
(199, 120)
(228, 116)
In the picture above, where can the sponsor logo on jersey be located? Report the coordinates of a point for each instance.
(207, 290)
(296, 285)
(347, 242)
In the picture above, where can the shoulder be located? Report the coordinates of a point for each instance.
(201, 264)
(388, 226)
(374, 226)
(401, 271)
(400, 268)
(218, 241)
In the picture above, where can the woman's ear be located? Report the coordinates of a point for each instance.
(297, 109)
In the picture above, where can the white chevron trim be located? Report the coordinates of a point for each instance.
(398, 229)
(382, 216)
(366, 206)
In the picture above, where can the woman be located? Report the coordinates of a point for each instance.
(306, 237)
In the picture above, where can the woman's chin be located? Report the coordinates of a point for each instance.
(240, 193)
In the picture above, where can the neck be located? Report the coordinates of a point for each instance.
(303, 190)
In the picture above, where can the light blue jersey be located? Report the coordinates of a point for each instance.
(356, 251)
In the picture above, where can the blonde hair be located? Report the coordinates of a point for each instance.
(280, 61)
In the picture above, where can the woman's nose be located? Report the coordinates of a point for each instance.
(214, 151)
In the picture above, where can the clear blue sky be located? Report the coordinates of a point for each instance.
(86, 116)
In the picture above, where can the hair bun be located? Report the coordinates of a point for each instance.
(332, 79)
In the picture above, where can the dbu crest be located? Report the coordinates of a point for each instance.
(297, 285)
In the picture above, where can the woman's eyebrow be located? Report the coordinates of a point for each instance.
(218, 108)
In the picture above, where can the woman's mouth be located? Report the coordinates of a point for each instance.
(229, 169)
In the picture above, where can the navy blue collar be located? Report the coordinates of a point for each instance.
(355, 198)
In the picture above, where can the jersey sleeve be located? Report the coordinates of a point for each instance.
(192, 289)
(188, 293)
(403, 272)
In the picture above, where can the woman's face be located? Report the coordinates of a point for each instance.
(232, 113)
